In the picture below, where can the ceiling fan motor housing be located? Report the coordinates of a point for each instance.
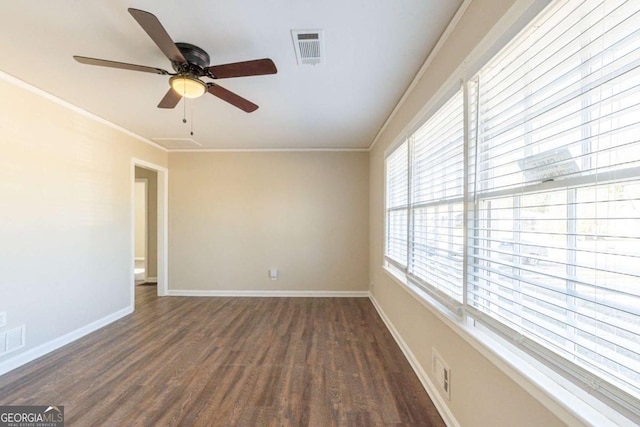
(197, 58)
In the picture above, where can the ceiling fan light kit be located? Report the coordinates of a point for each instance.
(190, 64)
(188, 86)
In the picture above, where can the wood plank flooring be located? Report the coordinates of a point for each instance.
(187, 361)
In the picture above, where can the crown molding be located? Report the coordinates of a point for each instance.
(436, 49)
(263, 150)
(59, 101)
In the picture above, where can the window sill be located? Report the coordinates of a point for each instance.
(562, 397)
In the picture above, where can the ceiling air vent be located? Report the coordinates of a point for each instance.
(309, 45)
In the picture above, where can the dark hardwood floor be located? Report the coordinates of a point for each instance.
(230, 362)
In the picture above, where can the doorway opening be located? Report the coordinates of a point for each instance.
(141, 228)
(149, 199)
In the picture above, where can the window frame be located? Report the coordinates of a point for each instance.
(429, 283)
(408, 138)
(462, 316)
(387, 210)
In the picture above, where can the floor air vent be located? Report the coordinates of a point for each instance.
(309, 45)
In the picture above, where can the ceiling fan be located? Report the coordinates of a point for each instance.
(190, 64)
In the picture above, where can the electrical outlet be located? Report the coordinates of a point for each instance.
(371, 286)
(3, 319)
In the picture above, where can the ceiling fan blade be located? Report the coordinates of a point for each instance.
(170, 99)
(256, 67)
(152, 26)
(231, 98)
(122, 65)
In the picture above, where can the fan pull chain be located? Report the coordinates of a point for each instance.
(184, 116)
(191, 130)
(184, 110)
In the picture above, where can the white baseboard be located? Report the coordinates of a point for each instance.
(151, 280)
(227, 293)
(428, 385)
(41, 350)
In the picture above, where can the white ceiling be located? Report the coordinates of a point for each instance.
(373, 49)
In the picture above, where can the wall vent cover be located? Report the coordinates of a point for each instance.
(309, 45)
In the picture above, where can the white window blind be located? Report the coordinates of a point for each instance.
(397, 191)
(437, 187)
(554, 238)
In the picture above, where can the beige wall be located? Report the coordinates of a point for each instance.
(66, 251)
(232, 216)
(152, 220)
(481, 394)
